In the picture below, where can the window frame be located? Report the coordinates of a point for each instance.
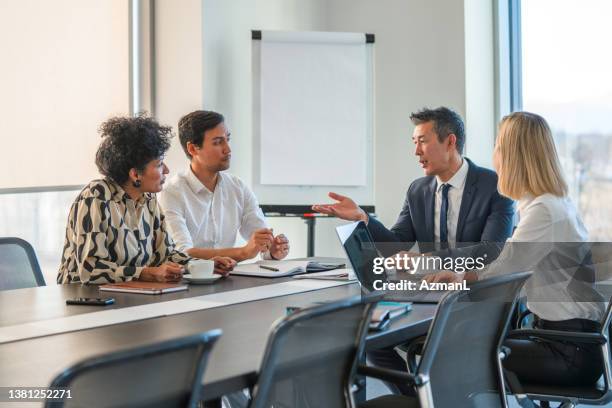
(509, 78)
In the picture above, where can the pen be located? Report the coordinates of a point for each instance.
(392, 303)
(330, 277)
(269, 268)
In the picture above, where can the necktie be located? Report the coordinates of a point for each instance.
(443, 214)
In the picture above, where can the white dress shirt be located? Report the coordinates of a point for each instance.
(547, 243)
(455, 193)
(200, 218)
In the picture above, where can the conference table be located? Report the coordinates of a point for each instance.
(234, 361)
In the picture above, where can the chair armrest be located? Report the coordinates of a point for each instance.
(504, 352)
(394, 376)
(578, 337)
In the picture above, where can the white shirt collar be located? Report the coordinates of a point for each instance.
(196, 185)
(458, 179)
(524, 201)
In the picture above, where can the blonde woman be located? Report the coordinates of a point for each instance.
(549, 240)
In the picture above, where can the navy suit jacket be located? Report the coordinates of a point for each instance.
(485, 220)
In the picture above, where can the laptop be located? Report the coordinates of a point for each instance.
(361, 252)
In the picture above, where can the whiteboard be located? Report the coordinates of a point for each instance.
(313, 117)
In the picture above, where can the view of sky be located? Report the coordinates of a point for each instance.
(567, 61)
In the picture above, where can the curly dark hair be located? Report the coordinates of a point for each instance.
(446, 121)
(130, 142)
(191, 127)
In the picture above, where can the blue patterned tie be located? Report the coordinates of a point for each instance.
(443, 213)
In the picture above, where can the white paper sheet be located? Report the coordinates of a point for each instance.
(314, 113)
(285, 268)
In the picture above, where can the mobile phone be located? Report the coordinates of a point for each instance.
(91, 301)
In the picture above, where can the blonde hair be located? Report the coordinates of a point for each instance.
(528, 160)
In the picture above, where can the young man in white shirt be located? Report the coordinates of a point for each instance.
(206, 207)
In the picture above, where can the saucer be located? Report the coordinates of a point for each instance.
(201, 281)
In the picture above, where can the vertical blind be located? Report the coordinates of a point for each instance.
(65, 69)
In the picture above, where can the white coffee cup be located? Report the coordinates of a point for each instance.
(201, 268)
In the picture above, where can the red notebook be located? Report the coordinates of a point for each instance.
(147, 288)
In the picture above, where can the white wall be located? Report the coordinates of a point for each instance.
(480, 109)
(421, 59)
(428, 53)
(419, 62)
(178, 66)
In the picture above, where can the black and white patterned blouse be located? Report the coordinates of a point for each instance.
(111, 238)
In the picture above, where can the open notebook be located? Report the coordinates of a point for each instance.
(277, 269)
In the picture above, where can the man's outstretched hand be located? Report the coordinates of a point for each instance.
(345, 208)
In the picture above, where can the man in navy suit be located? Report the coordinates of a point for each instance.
(454, 211)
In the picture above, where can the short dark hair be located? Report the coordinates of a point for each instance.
(446, 121)
(130, 142)
(192, 127)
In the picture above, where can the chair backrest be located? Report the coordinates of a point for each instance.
(311, 356)
(606, 320)
(461, 352)
(606, 331)
(162, 375)
(18, 265)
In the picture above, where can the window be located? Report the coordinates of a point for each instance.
(65, 69)
(39, 218)
(565, 77)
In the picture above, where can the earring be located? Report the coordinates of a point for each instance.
(136, 183)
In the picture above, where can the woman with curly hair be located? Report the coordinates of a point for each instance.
(116, 231)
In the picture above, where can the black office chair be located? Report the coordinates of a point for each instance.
(596, 394)
(311, 356)
(460, 366)
(163, 375)
(18, 265)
